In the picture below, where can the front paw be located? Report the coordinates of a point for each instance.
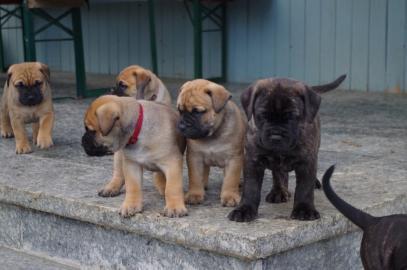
(44, 142)
(7, 134)
(129, 209)
(109, 191)
(178, 211)
(23, 148)
(194, 197)
(243, 213)
(278, 196)
(304, 211)
(230, 199)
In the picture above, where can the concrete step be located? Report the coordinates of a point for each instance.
(16, 260)
(49, 203)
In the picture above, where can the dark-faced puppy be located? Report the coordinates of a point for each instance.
(27, 99)
(215, 129)
(283, 135)
(136, 81)
(384, 242)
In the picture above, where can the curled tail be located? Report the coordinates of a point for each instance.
(329, 86)
(360, 218)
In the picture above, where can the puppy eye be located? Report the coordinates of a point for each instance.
(122, 85)
(196, 111)
(19, 84)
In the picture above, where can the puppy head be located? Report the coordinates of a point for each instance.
(280, 108)
(200, 103)
(133, 81)
(30, 81)
(105, 126)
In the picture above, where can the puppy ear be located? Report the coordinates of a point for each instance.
(9, 74)
(107, 115)
(44, 69)
(220, 96)
(247, 99)
(143, 78)
(312, 101)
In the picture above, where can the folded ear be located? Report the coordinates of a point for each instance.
(143, 78)
(44, 69)
(107, 115)
(312, 101)
(220, 96)
(9, 74)
(247, 99)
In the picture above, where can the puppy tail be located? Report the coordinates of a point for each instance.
(320, 89)
(358, 217)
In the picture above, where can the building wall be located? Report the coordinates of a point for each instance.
(312, 40)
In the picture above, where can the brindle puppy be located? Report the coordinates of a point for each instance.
(283, 135)
(384, 242)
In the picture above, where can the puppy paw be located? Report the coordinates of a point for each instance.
(130, 209)
(194, 197)
(230, 199)
(109, 191)
(7, 134)
(23, 148)
(278, 196)
(304, 212)
(172, 212)
(243, 213)
(44, 142)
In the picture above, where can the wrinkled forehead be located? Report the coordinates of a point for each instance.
(91, 121)
(127, 76)
(28, 73)
(193, 95)
(281, 94)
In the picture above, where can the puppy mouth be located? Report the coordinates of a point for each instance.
(192, 132)
(31, 100)
(91, 147)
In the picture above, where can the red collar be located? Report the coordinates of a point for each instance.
(133, 139)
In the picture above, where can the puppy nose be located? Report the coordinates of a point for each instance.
(276, 137)
(182, 126)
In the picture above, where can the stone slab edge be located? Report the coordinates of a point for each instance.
(240, 246)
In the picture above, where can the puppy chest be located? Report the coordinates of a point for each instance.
(215, 157)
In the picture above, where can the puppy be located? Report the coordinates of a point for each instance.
(283, 135)
(141, 83)
(27, 99)
(215, 128)
(145, 134)
(384, 242)
(133, 81)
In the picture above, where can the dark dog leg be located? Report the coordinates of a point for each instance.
(253, 173)
(304, 208)
(279, 192)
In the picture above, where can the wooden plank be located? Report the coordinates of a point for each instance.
(377, 46)
(239, 43)
(282, 21)
(327, 53)
(395, 45)
(343, 40)
(267, 39)
(360, 45)
(255, 38)
(297, 39)
(312, 41)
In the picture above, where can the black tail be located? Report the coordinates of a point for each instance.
(360, 218)
(329, 86)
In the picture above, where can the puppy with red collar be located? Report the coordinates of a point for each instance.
(140, 83)
(130, 126)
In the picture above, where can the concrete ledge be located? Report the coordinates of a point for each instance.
(49, 193)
